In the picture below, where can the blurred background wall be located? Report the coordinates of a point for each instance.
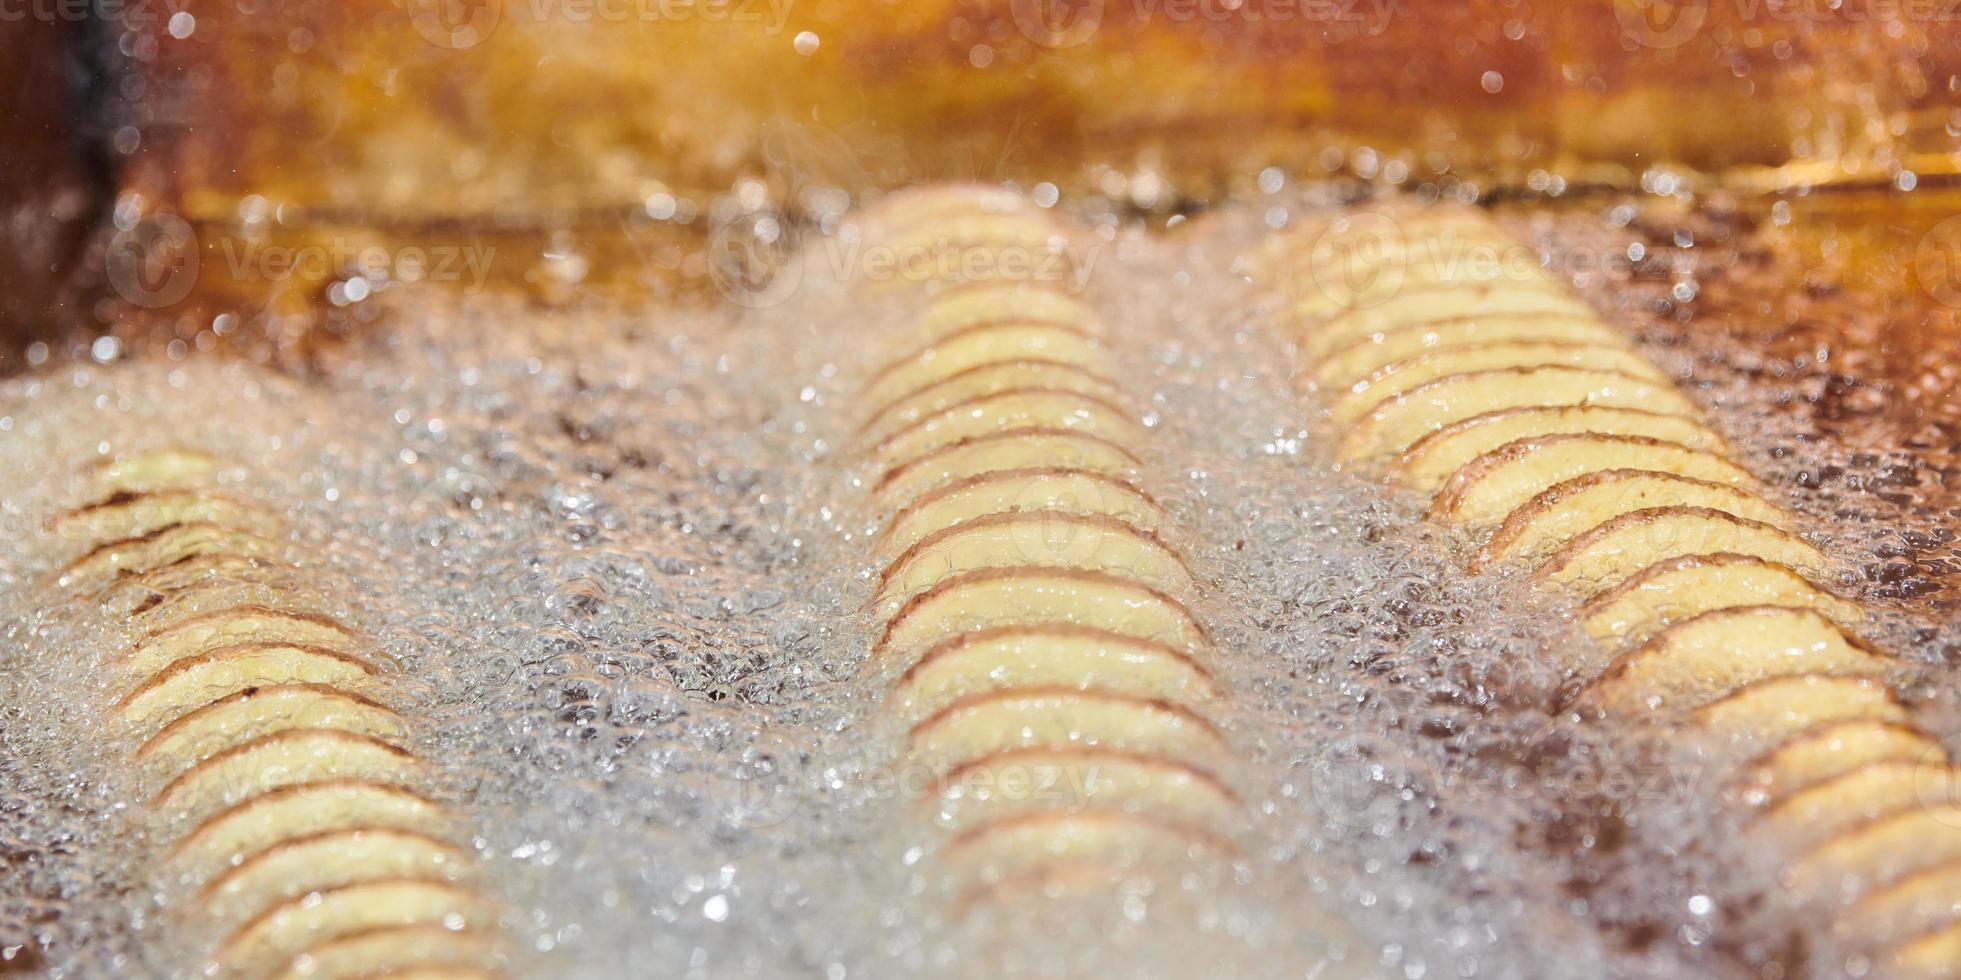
(155, 135)
(52, 182)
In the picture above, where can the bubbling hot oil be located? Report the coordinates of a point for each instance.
(619, 558)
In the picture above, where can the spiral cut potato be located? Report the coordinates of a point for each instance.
(1455, 370)
(294, 831)
(1032, 599)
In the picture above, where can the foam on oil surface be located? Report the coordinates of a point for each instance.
(617, 555)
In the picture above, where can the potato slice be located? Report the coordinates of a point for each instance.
(1609, 554)
(1493, 485)
(932, 203)
(1004, 451)
(1032, 890)
(1355, 244)
(290, 928)
(259, 711)
(984, 379)
(1911, 910)
(1008, 850)
(302, 810)
(1354, 400)
(1340, 286)
(1778, 707)
(208, 631)
(1048, 655)
(278, 590)
(157, 469)
(1934, 954)
(1677, 588)
(137, 594)
(1436, 306)
(1393, 424)
(992, 722)
(1565, 510)
(1045, 538)
(129, 515)
(327, 860)
(923, 203)
(395, 952)
(1425, 466)
(992, 787)
(1922, 835)
(1014, 410)
(1693, 663)
(970, 303)
(925, 254)
(158, 549)
(1829, 751)
(199, 680)
(1048, 488)
(286, 758)
(441, 972)
(982, 343)
(1111, 837)
(1820, 812)
(931, 251)
(1375, 357)
(1035, 596)
(1361, 235)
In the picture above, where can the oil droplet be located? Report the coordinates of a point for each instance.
(805, 43)
(182, 24)
(1492, 82)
